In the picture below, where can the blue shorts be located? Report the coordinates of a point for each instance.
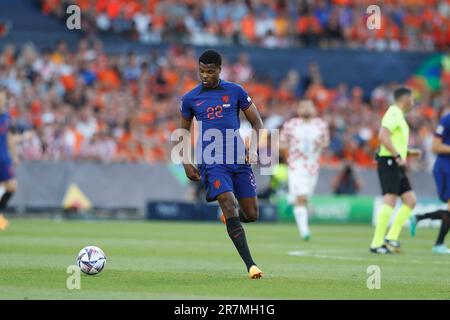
(442, 180)
(236, 178)
(6, 171)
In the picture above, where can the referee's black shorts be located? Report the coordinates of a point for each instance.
(393, 178)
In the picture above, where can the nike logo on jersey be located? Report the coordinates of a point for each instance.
(200, 103)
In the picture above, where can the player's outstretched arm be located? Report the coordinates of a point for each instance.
(190, 170)
(253, 116)
(439, 147)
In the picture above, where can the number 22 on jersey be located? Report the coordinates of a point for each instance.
(214, 112)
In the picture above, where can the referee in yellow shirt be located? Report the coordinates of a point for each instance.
(391, 160)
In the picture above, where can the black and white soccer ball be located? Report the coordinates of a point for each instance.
(91, 260)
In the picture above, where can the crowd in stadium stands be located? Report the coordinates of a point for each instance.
(87, 104)
(405, 24)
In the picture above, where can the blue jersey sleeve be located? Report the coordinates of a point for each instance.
(443, 127)
(186, 109)
(244, 100)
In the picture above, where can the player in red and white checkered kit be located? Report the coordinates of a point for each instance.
(303, 138)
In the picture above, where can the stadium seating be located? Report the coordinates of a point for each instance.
(93, 100)
(89, 104)
(406, 24)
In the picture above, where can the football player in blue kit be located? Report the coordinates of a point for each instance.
(441, 173)
(225, 171)
(7, 155)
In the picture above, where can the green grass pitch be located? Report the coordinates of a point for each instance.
(161, 260)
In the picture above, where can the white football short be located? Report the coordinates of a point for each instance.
(301, 183)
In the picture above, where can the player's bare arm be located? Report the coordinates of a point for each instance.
(324, 143)
(12, 148)
(385, 139)
(283, 144)
(284, 153)
(414, 152)
(190, 170)
(253, 116)
(439, 147)
(325, 138)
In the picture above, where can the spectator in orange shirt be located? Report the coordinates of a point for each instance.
(319, 94)
(308, 28)
(248, 28)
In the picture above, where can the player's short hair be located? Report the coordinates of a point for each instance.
(400, 92)
(211, 57)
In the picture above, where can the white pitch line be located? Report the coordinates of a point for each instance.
(325, 256)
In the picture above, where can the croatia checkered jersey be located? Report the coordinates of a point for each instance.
(442, 163)
(216, 108)
(304, 140)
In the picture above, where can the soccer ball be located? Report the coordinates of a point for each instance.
(91, 260)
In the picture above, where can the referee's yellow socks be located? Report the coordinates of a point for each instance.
(402, 215)
(381, 225)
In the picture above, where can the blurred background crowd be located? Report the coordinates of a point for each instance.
(406, 24)
(86, 104)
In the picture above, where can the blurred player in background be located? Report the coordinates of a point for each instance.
(8, 156)
(216, 104)
(441, 172)
(391, 159)
(302, 140)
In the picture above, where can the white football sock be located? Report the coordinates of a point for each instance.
(301, 217)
